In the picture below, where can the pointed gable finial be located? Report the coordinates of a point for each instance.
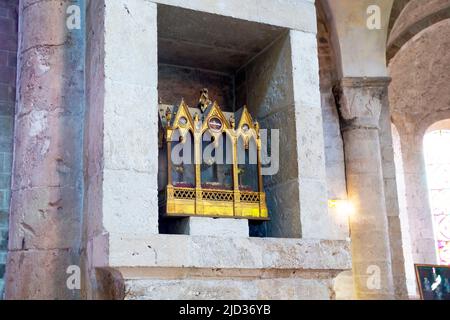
(232, 122)
(204, 101)
(168, 115)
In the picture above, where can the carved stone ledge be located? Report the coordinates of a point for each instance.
(172, 251)
(207, 267)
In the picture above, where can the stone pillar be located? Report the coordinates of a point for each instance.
(403, 215)
(46, 214)
(360, 102)
(315, 219)
(392, 201)
(417, 200)
(121, 135)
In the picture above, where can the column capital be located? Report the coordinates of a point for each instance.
(360, 101)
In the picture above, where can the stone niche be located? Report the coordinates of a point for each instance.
(241, 63)
(267, 62)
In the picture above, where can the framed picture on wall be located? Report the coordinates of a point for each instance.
(433, 281)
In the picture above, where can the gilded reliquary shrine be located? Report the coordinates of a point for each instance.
(211, 162)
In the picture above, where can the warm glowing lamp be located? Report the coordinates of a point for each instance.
(343, 207)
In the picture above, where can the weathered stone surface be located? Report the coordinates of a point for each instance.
(280, 82)
(424, 85)
(44, 218)
(403, 214)
(121, 134)
(208, 41)
(292, 63)
(305, 69)
(359, 47)
(93, 133)
(175, 83)
(415, 17)
(418, 208)
(316, 221)
(40, 274)
(47, 150)
(47, 172)
(284, 208)
(45, 68)
(121, 187)
(8, 62)
(269, 80)
(360, 105)
(223, 252)
(344, 287)
(333, 144)
(51, 16)
(217, 227)
(132, 120)
(212, 289)
(418, 97)
(280, 13)
(283, 121)
(270, 97)
(122, 19)
(129, 201)
(130, 175)
(228, 268)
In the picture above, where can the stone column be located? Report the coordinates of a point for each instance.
(392, 201)
(417, 200)
(360, 103)
(46, 215)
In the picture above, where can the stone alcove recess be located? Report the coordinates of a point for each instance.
(280, 84)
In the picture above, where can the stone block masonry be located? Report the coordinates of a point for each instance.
(8, 61)
(126, 257)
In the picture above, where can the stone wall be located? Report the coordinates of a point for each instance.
(418, 98)
(403, 215)
(121, 144)
(282, 97)
(269, 89)
(392, 202)
(199, 267)
(8, 62)
(416, 15)
(127, 258)
(334, 146)
(111, 142)
(175, 83)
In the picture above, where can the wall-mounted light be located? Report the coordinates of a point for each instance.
(344, 210)
(343, 207)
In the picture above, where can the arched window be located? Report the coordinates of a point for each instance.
(182, 157)
(247, 165)
(217, 165)
(437, 158)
